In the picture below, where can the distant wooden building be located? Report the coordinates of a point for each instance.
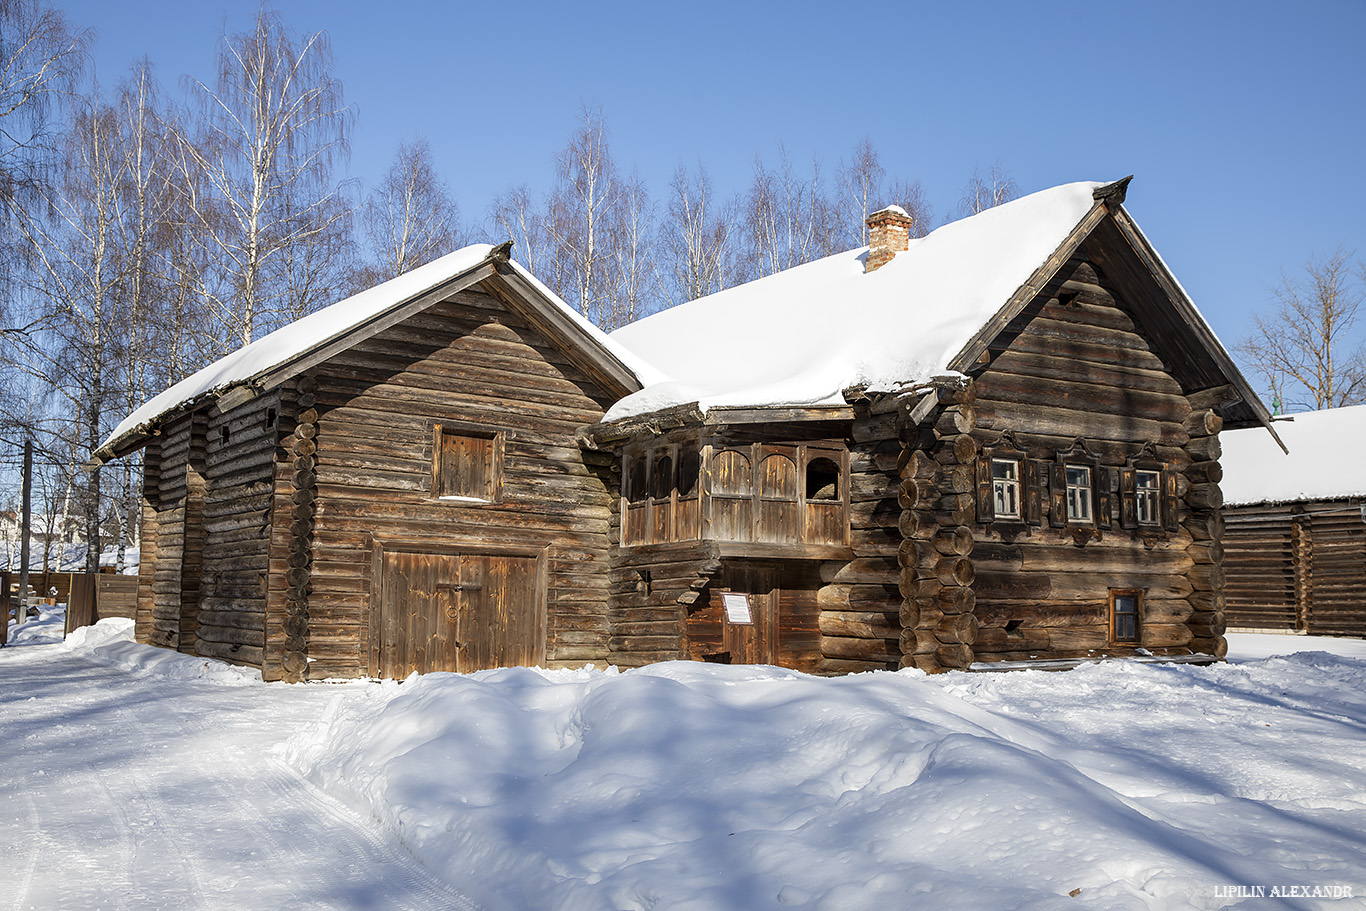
(390, 485)
(996, 444)
(1295, 539)
(991, 446)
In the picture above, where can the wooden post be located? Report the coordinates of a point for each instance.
(21, 611)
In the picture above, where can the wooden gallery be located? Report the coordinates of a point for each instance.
(992, 446)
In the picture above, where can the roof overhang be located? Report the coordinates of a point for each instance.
(496, 273)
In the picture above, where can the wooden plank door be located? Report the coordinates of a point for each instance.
(501, 618)
(417, 606)
(459, 612)
(756, 642)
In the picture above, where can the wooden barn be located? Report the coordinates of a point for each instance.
(993, 446)
(1295, 526)
(391, 484)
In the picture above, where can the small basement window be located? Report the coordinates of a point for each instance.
(1124, 609)
(467, 464)
(1147, 497)
(1005, 488)
(1078, 493)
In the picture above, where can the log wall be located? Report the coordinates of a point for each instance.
(1078, 366)
(1297, 567)
(175, 493)
(237, 510)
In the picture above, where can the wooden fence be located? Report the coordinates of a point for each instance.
(89, 597)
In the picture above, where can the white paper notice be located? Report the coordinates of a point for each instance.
(737, 607)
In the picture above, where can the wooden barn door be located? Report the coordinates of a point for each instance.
(498, 620)
(458, 612)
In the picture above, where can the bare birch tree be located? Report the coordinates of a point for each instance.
(633, 277)
(410, 218)
(860, 186)
(77, 273)
(698, 237)
(788, 220)
(516, 216)
(986, 189)
(274, 122)
(581, 211)
(40, 58)
(1303, 350)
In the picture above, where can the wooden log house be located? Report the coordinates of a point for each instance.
(392, 484)
(993, 446)
(1295, 526)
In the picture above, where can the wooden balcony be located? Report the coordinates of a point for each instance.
(753, 500)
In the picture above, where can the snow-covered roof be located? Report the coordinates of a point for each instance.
(803, 335)
(330, 323)
(1325, 460)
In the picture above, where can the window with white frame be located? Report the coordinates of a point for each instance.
(1005, 488)
(1148, 497)
(1078, 493)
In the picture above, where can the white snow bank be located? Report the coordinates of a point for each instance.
(803, 335)
(1324, 463)
(692, 786)
(110, 641)
(1245, 647)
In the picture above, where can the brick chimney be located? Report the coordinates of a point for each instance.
(889, 233)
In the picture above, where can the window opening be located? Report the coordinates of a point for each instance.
(689, 471)
(1078, 493)
(662, 481)
(270, 417)
(1005, 488)
(1147, 497)
(635, 480)
(822, 479)
(467, 464)
(1124, 608)
(224, 434)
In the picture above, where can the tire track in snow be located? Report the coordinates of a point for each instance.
(30, 863)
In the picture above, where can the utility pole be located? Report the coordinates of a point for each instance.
(21, 613)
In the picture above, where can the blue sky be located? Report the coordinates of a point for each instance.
(1243, 122)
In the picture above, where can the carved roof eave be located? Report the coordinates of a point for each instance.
(615, 434)
(975, 355)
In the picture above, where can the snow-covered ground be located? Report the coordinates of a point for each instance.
(134, 777)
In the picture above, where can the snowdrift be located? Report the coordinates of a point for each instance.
(688, 786)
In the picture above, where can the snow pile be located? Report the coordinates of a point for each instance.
(691, 786)
(110, 641)
(803, 335)
(1324, 462)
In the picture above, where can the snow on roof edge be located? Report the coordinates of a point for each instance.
(317, 329)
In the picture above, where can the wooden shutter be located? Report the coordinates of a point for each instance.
(1034, 472)
(1102, 494)
(1057, 495)
(986, 505)
(1128, 498)
(1171, 518)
